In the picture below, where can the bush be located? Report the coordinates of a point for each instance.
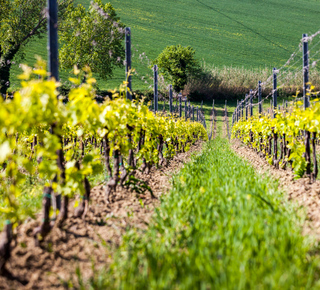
(177, 64)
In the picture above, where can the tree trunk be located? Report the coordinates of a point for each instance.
(5, 250)
(307, 155)
(45, 226)
(314, 174)
(5, 66)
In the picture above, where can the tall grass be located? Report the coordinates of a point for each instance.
(234, 82)
(221, 227)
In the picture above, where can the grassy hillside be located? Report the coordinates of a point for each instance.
(229, 32)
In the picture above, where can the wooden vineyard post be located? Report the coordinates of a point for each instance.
(246, 104)
(53, 59)
(242, 108)
(155, 87)
(185, 109)
(193, 113)
(232, 119)
(306, 101)
(251, 107)
(274, 92)
(259, 98)
(53, 54)
(212, 121)
(128, 64)
(236, 111)
(170, 98)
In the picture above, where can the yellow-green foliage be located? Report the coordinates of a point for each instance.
(291, 124)
(38, 111)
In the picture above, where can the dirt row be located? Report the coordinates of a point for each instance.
(84, 242)
(302, 191)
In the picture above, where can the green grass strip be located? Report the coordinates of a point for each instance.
(221, 227)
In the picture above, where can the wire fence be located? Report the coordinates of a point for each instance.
(295, 74)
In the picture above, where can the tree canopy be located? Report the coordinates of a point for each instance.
(92, 37)
(20, 21)
(176, 63)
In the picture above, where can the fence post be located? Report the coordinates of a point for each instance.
(185, 109)
(53, 53)
(170, 98)
(251, 107)
(180, 107)
(193, 113)
(197, 114)
(274, 92)
(155, 87)
(259, 98)
(128, 64)
(236, 111)
(305, 71)
(246, 104)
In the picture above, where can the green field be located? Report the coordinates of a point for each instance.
(234, 33)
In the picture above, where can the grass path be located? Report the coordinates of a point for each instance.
(222, 227)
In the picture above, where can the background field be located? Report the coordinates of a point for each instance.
(252, 34)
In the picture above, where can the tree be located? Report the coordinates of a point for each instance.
(176, 63)
(20, 21)
(93, 38)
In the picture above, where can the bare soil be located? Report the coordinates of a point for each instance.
(84, 242)
(302, 191)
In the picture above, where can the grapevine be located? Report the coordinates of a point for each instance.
(287, 140)
(66, 143)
